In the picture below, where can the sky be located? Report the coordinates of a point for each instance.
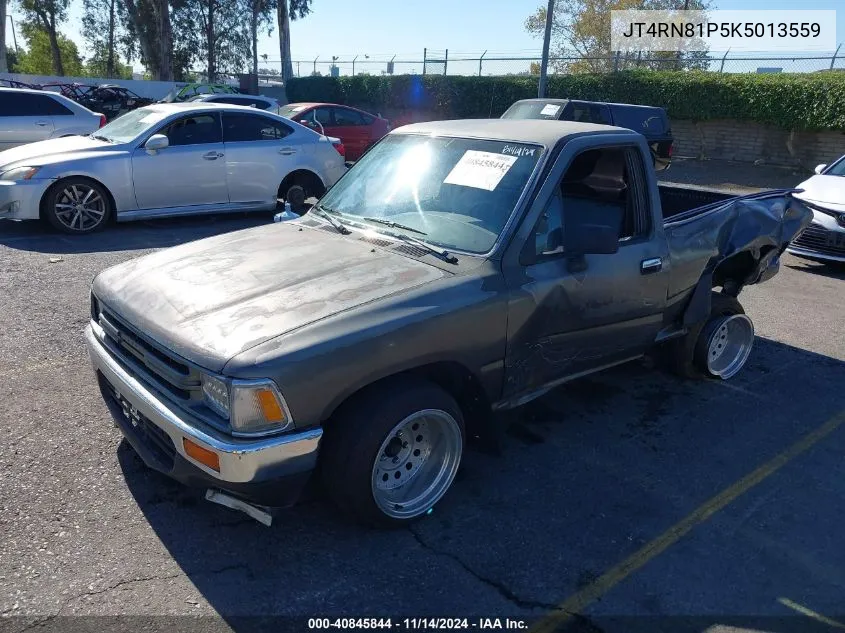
(383, 28)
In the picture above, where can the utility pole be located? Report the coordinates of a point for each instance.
(544, 64)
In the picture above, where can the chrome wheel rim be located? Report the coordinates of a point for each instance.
(729, 345)
(416, 463)
(80, 207)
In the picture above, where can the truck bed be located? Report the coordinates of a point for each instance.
(678, 199)
(704, 228)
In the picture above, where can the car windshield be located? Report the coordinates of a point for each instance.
(131, 125)
(452, 192)
(837, 169)
(534, 110)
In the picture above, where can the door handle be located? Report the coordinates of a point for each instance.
(651, 265)
(212, 155)
(41, 123)
(287, 151)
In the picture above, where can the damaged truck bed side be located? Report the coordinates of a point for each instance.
(459, 268)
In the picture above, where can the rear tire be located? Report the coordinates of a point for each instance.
(392, 453)
(77, 206)
(704, 351)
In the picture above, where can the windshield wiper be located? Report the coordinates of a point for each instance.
(101, 138)
(395, 225)
(443, 254)
(324, 212)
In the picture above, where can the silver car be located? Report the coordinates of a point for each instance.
(163, 160)
(27, 116)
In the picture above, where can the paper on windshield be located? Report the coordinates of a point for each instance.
(550, 109)
(482, 170)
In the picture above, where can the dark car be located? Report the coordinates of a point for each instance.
(358, 130)
(650, 121)
(113, 100)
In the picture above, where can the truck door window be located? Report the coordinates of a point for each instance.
(604, 186)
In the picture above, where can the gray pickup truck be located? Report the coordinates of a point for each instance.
(458, 270)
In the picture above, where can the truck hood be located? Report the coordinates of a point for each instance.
(827, 191)
(51, 151)
(209, 300)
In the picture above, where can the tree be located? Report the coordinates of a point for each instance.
(581, 36)
(38, 58)
(286, 11)
(47, 15)
(99, 65)
(215, 32)
(261, 15)
(4, 65)
(149, 35)
(103, 29)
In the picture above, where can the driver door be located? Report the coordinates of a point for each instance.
(191, 171)
(569, 315)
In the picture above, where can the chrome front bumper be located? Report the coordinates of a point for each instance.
(242, 461)
(22, 200)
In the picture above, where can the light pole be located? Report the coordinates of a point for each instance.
(14, 37)
(544, 63)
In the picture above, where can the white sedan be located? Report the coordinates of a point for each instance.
(824, 193)
(166, 160)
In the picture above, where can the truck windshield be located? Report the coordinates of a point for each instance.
(457, 193)
(534, 110)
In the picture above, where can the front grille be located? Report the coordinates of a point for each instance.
(168, 373)
(155, 440)
(821, 240)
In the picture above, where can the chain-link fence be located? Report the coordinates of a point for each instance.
(441, 63)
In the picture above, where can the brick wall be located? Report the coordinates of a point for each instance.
(745, 141)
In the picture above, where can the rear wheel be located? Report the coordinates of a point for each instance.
(77, 206)
(393, 453)
(718, 348)
(309, 183)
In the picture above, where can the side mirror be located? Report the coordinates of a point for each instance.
(591, 239)
(820, 168)
(156, 142)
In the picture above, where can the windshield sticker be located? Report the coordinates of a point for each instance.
(482, 170)
(550, 109)
(518, 150)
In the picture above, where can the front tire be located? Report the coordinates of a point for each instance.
(391, 454)
(77, 206)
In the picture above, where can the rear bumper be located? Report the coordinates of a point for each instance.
(21, 200)
(269, 471)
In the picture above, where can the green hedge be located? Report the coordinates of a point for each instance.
(813, 101)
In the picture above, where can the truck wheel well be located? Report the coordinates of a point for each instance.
(731, 274)
(61, 180)
(308, 180)
(454, 378)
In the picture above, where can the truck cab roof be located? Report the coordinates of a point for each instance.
(540, 132)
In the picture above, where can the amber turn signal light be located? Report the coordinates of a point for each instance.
(202, 455)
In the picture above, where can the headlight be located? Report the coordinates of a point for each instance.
(19, 173)
(253, 407)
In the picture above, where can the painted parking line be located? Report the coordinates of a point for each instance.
(577, 602)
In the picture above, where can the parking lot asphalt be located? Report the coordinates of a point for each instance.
(629, 500)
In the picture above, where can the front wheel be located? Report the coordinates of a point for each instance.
(392, 454)
(77, 206)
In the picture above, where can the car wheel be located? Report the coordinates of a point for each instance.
(77, 205)
(390, 455)
(717, 348)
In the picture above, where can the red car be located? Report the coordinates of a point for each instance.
(355, 128)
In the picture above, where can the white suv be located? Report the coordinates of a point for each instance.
(27, 116)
